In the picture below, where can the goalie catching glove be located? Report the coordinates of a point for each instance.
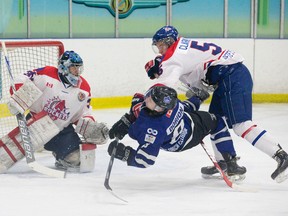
(93, 132)
(24, 97)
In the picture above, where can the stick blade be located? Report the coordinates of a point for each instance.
(46, 171)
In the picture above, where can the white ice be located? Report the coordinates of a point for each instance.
(173, 186)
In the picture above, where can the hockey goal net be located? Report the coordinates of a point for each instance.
(23, 56)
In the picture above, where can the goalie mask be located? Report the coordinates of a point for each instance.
(70, 66)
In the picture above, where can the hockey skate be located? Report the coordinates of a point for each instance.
(66, 166)
(281, 173)
(211, 172)
(234, 172)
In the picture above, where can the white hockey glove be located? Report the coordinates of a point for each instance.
(93, 132)
(24, 97)
(200, 93)
(208, 87)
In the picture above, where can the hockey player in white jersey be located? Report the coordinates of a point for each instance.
(59, 116)
(206, 65)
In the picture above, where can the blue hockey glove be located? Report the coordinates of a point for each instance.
(122, 151)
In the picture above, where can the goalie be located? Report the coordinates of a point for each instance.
(60, 116)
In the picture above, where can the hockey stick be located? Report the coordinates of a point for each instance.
(108, 173)
(223, 174)
(24, 131)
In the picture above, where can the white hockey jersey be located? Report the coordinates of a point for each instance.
(187, 61)
(64, 103)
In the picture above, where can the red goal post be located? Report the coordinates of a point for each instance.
(23, 56)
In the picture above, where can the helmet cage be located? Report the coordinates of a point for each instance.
(67, 60)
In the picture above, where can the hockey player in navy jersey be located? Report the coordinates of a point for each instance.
(206, 65)
(159, 120)
(60, 116)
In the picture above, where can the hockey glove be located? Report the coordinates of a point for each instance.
(24, 97)
(200, 93)
(136, 104)
(121, 127)
(122, 151)
(152, 67)
(93, 132)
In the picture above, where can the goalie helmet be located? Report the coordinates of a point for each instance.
(164, 97)
(166, 34)
(67, 61)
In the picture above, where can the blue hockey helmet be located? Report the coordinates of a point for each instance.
(70, 59)
(166, 34)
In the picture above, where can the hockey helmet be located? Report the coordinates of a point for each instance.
(164, 97)
(70, 59)
(166, 34)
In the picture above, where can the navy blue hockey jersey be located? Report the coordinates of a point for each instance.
(171, 132)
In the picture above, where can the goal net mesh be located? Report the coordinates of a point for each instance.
(23, 56)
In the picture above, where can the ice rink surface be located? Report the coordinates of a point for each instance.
(173, 186)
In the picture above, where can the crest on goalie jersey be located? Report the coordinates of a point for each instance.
(81, 96)
(56, 109)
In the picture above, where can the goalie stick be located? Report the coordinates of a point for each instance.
(24, 131)
(107, 177)
(223, 174)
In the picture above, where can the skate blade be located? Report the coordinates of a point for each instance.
(67, 169)
(214, 176)
(234, 178)
(282, 177)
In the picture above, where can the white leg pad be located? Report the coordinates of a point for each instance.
(41, 129)
(87, 157)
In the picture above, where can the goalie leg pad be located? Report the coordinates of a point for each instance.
(81, 160)
(87, 157)
(41, 129)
